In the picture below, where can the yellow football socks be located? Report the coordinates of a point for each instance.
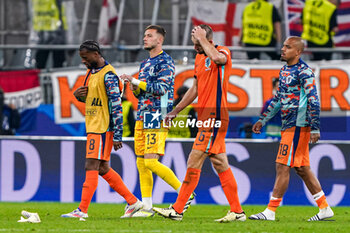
(163, 172)
(146, 178)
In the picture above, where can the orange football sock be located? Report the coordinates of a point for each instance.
(115, 181)
(274, 203)
(89, 187)
(188, 186)
(229, 185)
(322, 202)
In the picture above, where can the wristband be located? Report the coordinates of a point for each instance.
(135, 82)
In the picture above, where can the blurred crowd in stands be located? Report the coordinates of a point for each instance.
(262, 26)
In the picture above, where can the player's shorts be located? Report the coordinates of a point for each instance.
(294, 147)
(99, 146)
(211, 140)
(149, 141)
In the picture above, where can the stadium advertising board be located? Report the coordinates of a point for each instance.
(250, 86)
(53, 170)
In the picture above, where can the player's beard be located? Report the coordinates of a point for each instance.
(202, 52)
(149, 48)
(92, 65)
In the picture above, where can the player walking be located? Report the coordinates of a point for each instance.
(212, 72)
(300, 111)
(154, 89)
(104, 127)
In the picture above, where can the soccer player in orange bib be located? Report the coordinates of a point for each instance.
(101, 94)
(300, 112)
(212, 71)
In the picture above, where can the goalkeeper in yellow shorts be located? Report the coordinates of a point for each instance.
(154, 89)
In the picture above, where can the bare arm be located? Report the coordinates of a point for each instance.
(240, 37)
(277, 29)
(188, 98)
(334, 23)
(199, 34)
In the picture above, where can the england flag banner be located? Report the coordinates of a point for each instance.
(223, 17)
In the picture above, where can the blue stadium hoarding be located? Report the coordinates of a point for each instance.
(52, 169)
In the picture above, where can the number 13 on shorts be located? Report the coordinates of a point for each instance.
(151, 139)
(155, 142)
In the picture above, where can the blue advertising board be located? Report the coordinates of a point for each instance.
(52, 169)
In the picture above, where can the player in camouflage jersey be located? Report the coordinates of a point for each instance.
(154, 89)
(300, 111)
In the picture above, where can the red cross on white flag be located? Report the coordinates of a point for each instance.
(224, 18)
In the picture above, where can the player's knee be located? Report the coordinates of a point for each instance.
(219, 164)
(103, 169)
(196, 159)
(220, 168)
(300, 171)
(282, 169)
(92, 164)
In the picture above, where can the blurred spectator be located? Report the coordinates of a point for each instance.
(9, 117)
(48, 28)
(128, 117)
(261, 27)
(273, 127)
(245, 130)
(319, 19)
(187, 113)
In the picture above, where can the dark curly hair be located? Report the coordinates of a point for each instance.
(90, 45)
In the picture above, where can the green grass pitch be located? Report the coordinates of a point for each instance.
(199, 218)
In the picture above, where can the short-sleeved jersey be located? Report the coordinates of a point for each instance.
(297, 98)
(159, 74)
(212, 81)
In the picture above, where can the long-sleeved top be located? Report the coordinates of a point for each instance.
(115, 105)
(296, 98)
(159, 74)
